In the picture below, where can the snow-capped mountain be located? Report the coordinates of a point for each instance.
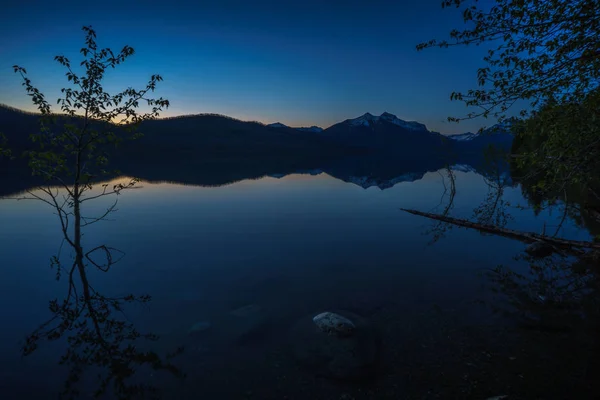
(313, 128)
(369, 119)
(463, 137)
(387, 133)
(502, 128)
(370, 181)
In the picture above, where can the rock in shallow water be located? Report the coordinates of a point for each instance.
(334, 324)
(347, 357)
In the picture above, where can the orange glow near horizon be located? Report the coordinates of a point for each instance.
(169, 113)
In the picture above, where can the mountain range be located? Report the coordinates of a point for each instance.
(212, 149)
(372, 121)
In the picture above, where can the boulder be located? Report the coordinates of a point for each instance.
(334, 324)
(336, 344)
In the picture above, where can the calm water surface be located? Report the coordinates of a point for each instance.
(287, 246)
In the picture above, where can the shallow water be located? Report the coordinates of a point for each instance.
(280, 247)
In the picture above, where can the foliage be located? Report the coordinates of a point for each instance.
(81, 137)
(547, 54)
(545, 50)
(71, 155)
(555, 159)
(558, 147)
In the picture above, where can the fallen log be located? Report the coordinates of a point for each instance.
(528, 237)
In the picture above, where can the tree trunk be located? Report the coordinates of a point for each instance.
(528, 237)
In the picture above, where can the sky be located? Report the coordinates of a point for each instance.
(302, 63)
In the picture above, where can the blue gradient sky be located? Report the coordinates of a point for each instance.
(303, 63)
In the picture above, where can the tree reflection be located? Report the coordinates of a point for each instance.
(554, 294)
(554, 308)
(550, 304)
(71, 153)
(93, 326)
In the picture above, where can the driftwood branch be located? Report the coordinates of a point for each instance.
(528, 237)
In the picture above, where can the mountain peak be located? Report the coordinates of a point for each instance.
(368, 118)
(277, 125)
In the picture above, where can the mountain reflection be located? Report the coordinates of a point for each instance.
(102, 349)
(365, 171)
(299, 261)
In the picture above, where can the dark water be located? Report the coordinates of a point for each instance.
(286, 247)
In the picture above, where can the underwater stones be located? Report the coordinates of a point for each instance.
(339, 345)
(334, 324)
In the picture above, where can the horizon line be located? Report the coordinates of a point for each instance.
(36, 113)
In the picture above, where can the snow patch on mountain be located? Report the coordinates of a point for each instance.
(412, 125)
(365, 120)
(463, 137)
(500, 128)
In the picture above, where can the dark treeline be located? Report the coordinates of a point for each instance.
(209, 149)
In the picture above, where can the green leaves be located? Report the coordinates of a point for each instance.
(545, 56)
(557, 151)
(92, 111)
(549, 48)
(16, 68)
(71, 153)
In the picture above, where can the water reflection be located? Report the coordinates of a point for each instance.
(553, 307)
(93, 329)
(278, 249)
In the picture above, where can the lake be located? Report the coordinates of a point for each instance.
(276, 249)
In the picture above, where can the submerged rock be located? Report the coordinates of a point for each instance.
(334, 324)
(353, 355)
(539, 249)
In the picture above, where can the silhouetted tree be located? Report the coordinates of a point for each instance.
(548, 55)
(544, 59)
(545, 50)
(545, 55)
(71, 160)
